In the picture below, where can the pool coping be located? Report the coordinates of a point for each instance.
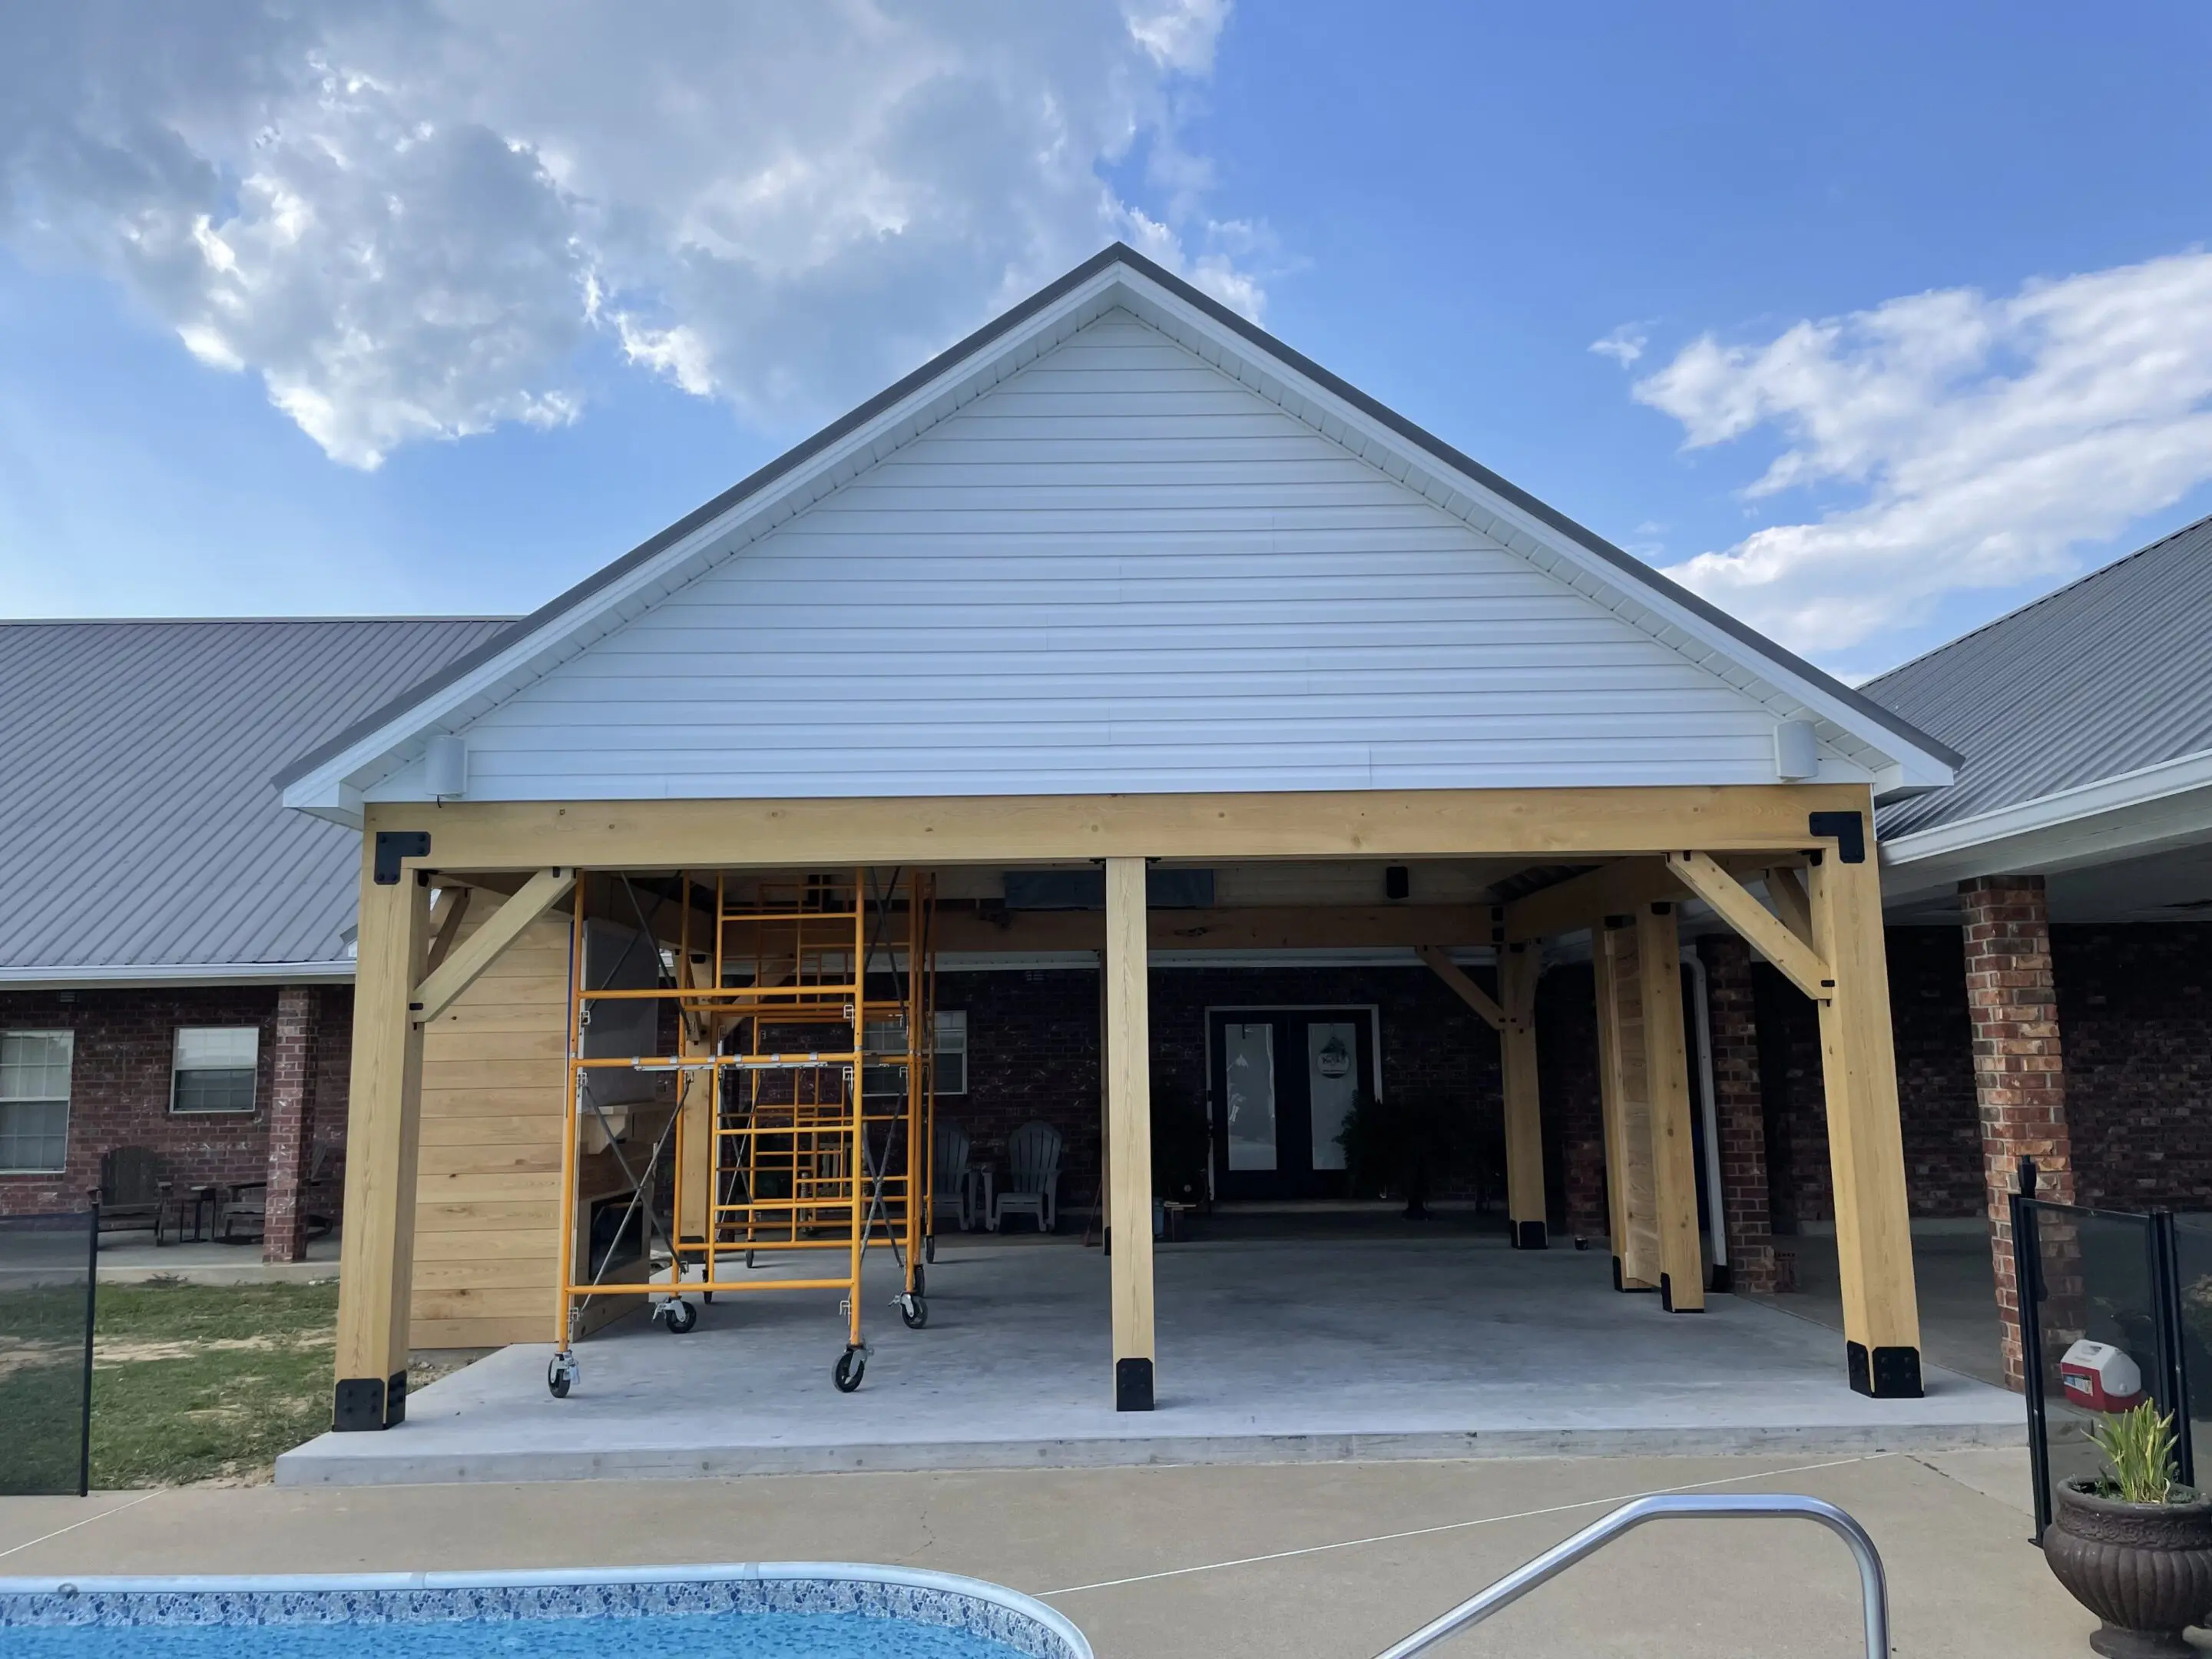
(847, 1573)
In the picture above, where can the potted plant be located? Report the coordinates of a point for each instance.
(1405, 1144)
(2133, 1545)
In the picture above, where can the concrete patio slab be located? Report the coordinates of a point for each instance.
(1269, 1353)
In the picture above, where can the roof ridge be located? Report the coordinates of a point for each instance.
(2060, 591)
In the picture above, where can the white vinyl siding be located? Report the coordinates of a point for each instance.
(1118, 571)
(214, 1068)
(34, 1101)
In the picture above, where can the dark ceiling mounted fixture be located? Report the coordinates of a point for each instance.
(1397, 882)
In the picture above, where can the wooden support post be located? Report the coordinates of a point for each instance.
(1631, 1208)
(1129, 1133)
(1866, 1143)
(1518, 969)
(1674, 1151)
(698, 1100)
(383, 1113)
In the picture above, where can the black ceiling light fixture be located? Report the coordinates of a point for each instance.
(1397, 881)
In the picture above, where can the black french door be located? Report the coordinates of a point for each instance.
(1279, 1083)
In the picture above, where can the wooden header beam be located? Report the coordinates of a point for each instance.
(1558, 825)
(1256, 927)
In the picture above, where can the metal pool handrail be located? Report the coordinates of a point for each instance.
(1595, 1536)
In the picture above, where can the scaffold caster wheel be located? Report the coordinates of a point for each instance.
(915, 1310)
(749, 1262)
(681, 1316)
(561, 1375)
(929, 1250)
(851, 1366)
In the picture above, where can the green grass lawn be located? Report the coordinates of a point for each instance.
(207, 1382)
(189, 1381)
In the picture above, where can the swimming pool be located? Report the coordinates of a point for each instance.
(771, 1610)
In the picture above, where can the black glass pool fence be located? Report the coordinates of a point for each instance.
(2103, 1326)
(47, 1287)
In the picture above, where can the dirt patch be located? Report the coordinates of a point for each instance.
(19, 1354)
(133, 1353)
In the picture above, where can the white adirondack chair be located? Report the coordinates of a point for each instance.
(1032, 1182)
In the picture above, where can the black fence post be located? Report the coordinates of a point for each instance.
(91, 1308)
(2172, 1353)
(2027, 1295)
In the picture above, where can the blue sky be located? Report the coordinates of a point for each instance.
(1944, 264)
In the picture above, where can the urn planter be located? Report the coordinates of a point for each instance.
(2144, 1569)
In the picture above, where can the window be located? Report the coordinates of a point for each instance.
(34, 1090)
(889, 1037)
(214, 1068)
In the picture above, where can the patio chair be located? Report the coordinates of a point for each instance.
(247, 1203)
(1032, 1183)
(135, 1191)
(954, 1179)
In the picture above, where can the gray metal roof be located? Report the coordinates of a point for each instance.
(138, 827)
(376, 716)
(2107, 675)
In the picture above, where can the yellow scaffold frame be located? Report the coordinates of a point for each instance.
(779, 1047)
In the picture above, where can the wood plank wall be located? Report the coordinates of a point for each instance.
(487, 1208)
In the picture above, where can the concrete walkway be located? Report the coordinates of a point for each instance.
(133, 1258)
(1307, 1562)
(1268, 1352)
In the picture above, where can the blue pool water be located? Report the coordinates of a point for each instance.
(694, 1636)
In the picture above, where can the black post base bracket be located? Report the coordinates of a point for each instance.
(1133, 1385)
(1886, 1374)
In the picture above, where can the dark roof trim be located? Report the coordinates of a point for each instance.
(1114, 253)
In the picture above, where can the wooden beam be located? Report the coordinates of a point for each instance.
(1129, 1133)
(1733, 902)
(1673, 1155)
(455, 908)
(1567, 907)
(1465, 989)
(1625, 1103)
(500, 929)
(1786, 887)
(1866, 1143)
(1518, 969)
(383, 1125)
(1564, 825)
(1237, 927)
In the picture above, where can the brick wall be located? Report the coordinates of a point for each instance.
(2135, 1014)
(1033, 1045)
(119, 1084)
(1935, 1084)
(1567, 1084)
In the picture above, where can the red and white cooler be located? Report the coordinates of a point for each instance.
(2097, 1377)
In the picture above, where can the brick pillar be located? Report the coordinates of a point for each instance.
(2019, 1077)
(1740, 1107)
(291, 1122)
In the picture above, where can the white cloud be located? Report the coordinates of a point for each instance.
(408, 217)
(1624, 345)
(1979, 441)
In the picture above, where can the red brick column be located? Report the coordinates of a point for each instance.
(291, 1120)
(1739, 1109)
(2020, 1076)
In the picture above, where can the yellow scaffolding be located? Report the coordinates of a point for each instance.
(810, 1047)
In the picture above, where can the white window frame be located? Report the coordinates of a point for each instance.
(178, 1068)
(886, 1036)
(69, 1082)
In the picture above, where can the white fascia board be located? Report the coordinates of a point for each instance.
(1894, 766)
(2137, 813)
(336, 789)
(127, 977)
